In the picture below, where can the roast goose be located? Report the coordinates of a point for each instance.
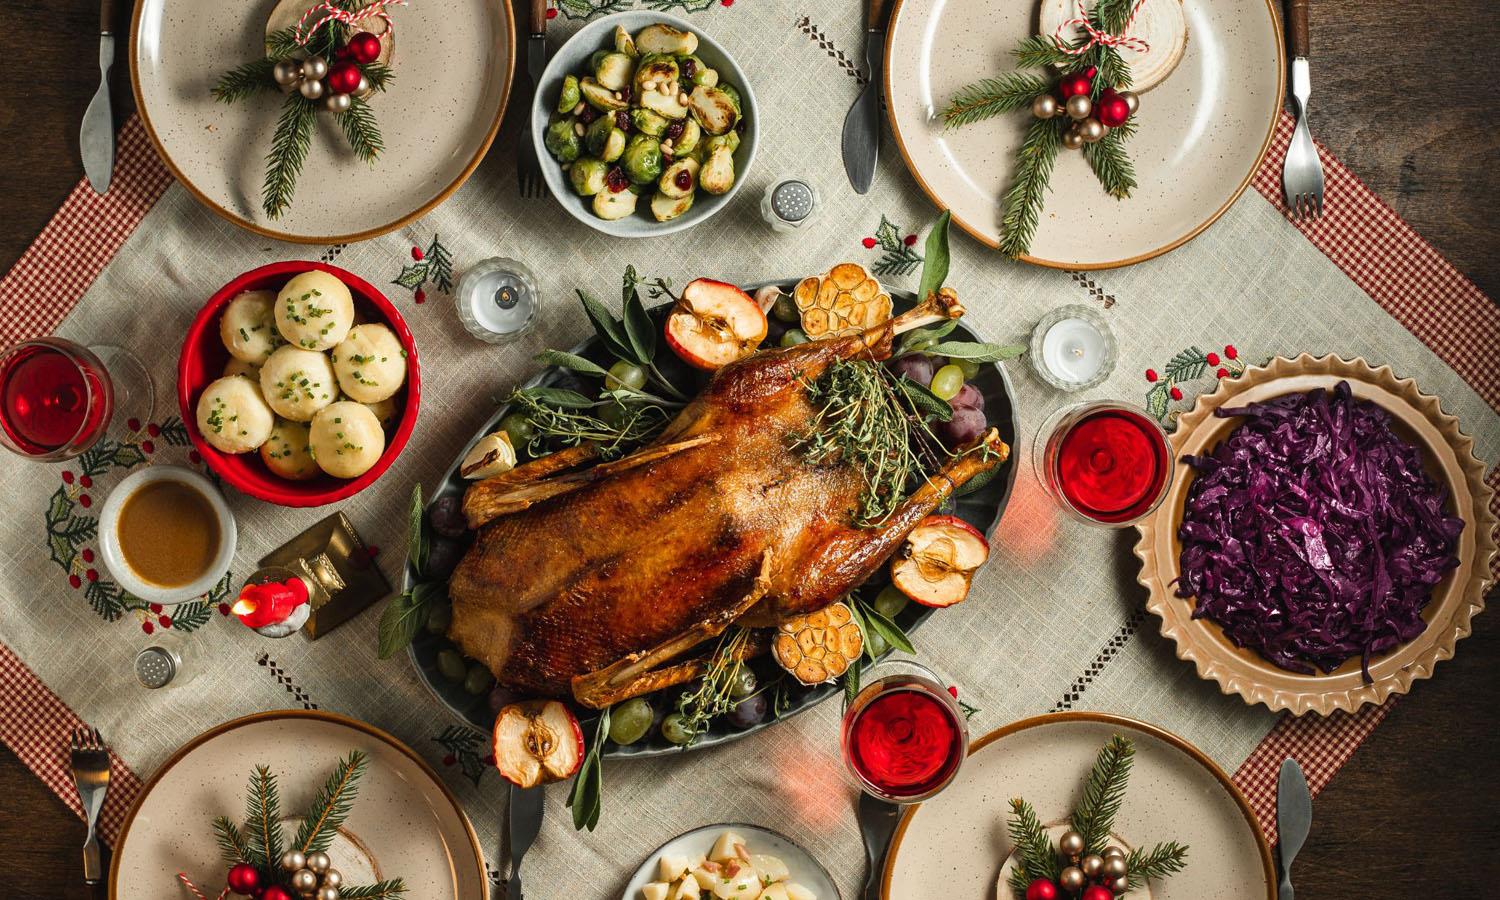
(593, 579)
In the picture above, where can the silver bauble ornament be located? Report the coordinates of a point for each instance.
(1113, 850)
(319, 862)
(1071, 139)
(304, 881)
(1071, 844)
(327, 892)
(315, 67)
(1072, 879)
(337, 103)
(1092, 865)
(1044, 106)
(312, 90)
(333, 878)
(292, 860)
(364, 87)
(286, 73)
(1114, 867)
(1079, 106)
(1132, 100)
(1091, 130)
(1119, 885)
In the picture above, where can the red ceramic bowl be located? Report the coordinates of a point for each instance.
(204, 357)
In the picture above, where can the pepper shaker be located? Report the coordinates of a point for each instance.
(789, 204)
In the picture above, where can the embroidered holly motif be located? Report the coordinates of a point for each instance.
(431, 266)
(1189, 365)
(898, 254)
(463, 746)
(583, 9)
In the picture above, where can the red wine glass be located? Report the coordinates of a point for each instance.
(58, 397)
(1104, 463)
(904, 735)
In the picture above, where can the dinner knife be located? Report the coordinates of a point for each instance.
(525, 817)
(862, 124)
(877, 821)
(96, 137)
(1293, 820)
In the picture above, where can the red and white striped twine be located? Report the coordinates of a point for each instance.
(332, 13)
(193, 888)
(1100, 37)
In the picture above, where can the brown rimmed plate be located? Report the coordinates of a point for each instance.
(452, 61)
(1448, 456)
(1203, 131)
(404, 823)
(958, 839)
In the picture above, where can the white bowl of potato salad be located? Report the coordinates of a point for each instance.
(730, 862)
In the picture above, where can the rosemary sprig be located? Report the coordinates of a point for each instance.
(989, 97)
(288, 151)
(712, 696)
(245, 80)
(361, 130)
(1023, 202)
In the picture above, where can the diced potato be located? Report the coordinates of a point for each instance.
(724, 847)
(774, 892)
(660, 38)
(611, 205)
(770, 868)
(656, 890)
(687, 889)
(705, 876)
(738, 882)
(670, 868)
(795, 891)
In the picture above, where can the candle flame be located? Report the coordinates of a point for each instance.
(244, 606)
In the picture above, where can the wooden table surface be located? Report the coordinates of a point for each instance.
(1401, 95)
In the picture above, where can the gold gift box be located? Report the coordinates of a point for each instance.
(341, 577)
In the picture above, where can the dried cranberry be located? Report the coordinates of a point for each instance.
(615, 180)
(622, 120)
(674, 131)
(683, 180)
(739, 128)
(688, 68)
(588, 114)
(625, 93)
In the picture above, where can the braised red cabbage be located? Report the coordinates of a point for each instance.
(1312, 534)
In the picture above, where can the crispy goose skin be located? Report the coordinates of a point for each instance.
(610, 575)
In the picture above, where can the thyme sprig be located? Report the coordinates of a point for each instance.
(558, 416)
(712, 694)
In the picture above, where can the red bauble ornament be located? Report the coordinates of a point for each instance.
(243, 879)
(1041, 889)
(343, 78)
(1097, 892)
(364, 47)
(1074, 85)
(277, 892)
(1111, 108)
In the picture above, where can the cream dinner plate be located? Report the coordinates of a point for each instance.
(404, 823)
(956, 844)
(1203, 131)
(452, 61)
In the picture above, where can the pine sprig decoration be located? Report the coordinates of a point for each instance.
(379, 75)
(289, 148)
(232, 844)
(361, 130)
(1160, 861)
(1103, 793)
(990, 97)
(1110, 162)
(1039, 52)
(331, 805)
(1023, 202)
(1035, 855)
(263, 839)
(391, 889)
(245, 81)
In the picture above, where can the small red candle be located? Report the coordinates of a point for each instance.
(260, 605)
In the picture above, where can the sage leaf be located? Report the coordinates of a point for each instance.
(587, 797)
(889, 630)
(935, 266)
(570, 361)
(610, 332)
(416, 537)
(404, 616)
(977, 351)
(559, 397)
(924, 400)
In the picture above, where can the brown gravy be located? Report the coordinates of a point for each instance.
(168, 533)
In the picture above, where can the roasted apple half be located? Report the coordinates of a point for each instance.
(938, 561)
(714, 324)
(537, 742)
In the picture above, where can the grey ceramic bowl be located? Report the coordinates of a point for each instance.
(572, 58)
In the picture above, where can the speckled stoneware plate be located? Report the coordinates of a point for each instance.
(452, 61)
(803, 869)
(1203, 131)
(956, 844)
(1448, 456)
(404, 824)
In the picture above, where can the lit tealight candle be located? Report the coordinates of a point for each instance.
(1072, 348)
(271, 606)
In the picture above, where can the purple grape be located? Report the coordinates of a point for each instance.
(501, 697)
(774, 330)
(968, 396)
(963, 429)
(748, 712)
(447, 517)
(918, 367)
(442, 557)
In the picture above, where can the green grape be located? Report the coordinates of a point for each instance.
(969, 367)
(793, 337)
(451, 665)
(947, 382)
(786, 310)
(630, 721)
(890, 601)
(877, 643)
(919, 345)
(478, 680)
(744, 684)
(439, 617)
(674, 729)
(626, 375)
(519, 428)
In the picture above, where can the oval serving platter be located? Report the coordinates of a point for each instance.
(983, 508)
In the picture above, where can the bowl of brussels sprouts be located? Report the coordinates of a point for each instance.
(643, 125)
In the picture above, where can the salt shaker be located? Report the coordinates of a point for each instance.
(789, 204)
(158, 666)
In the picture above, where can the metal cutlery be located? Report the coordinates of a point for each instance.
(1302, 173)
(96, 137)
(529, 178)
(877, 821)
(1293, 820)
(861, 141)
(525, 823)
(90, 761)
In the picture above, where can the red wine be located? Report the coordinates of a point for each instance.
(905, 742)
(1112, 465)
(51, 400)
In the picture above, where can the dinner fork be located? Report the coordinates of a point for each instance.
(528, 169)
(1302, 172)
(91, 774)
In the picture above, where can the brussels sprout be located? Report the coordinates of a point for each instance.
(614, 204)
(600, 97)
(562, 141)
(679, 179)
(695, 70)
(614, 145)
(687, 142)
(665, 208)
(642, 160)
(648, 122)
(714, 109)
(614, 71)
(624, 43)
(717, 175)
(660, 38)
(664, 105)
(568, 97)
(706, 77)
(597, 136)
(655, 70)
(733, 95)
(587, 176)
(710, 144)
(596, 58)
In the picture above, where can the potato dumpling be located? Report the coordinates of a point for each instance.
(346, 439)
(248, 327)
(370, 363)
(314, 311)
(288, 451)
(233, 416)
(298, 383)
(386, 411)
(240, 367)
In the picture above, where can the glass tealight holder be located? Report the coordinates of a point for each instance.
(497, 300)
(1073, 348)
